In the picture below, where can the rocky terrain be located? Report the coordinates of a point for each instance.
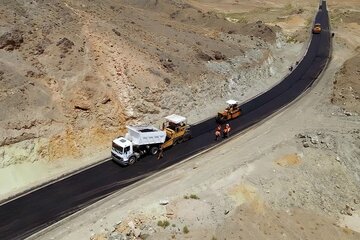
(74, 73)
(346, 86)
(295, 176)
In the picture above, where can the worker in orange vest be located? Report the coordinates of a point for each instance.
(217, 132)
(226, 131)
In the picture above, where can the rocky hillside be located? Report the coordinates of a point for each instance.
(74, 73)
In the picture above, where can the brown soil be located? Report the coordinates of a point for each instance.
(288, 160)
(347, 86)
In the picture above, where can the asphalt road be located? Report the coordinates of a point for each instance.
(32, 212)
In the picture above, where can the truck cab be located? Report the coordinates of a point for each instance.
(122, 151)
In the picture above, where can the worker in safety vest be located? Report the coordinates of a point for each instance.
(217, 132)
(226, 131)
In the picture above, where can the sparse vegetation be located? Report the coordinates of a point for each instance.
(163, 224)
(194, 196)
(186, 230)
(291, 39)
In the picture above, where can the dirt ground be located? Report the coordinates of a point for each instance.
(74, 73)
(295, 176)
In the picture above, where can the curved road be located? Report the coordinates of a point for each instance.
(32, 212)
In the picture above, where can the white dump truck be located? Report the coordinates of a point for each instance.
(138, 141)
(141, 140)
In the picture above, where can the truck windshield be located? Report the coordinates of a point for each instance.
(117, 148)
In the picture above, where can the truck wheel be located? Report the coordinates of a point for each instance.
(154, 150)
(132, 160)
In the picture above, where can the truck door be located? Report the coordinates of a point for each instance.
(127, 152)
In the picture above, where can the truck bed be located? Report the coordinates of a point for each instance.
(145, 135)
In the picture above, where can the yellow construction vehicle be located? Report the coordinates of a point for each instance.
(231, 112)
(176, 129)
(317, 28)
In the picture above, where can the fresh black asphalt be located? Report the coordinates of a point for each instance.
(34, 211)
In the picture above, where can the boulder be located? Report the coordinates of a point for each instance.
(164, 202)
(137, 232)
(131, 225)
(65, 45)
(11, 40)
(219, 56)
(204, 56)
(300, 135)
(314, 140)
